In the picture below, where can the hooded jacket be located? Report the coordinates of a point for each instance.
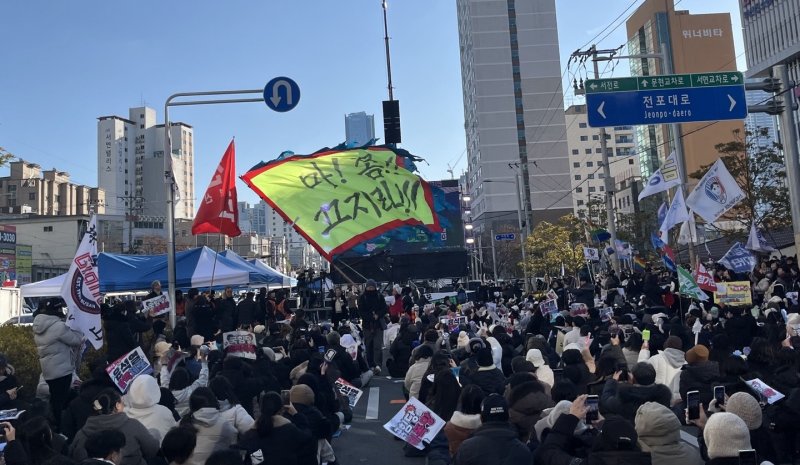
(525, 407)
(659, 433)
(142, 404)
(80, 408)
(55, 343)
(625, 399)
(414, 376)
(140, 445)
(286, 445)
(182, 395)
(213, 434)
(489, 379)
(459, 428)
(668, 364)
(699, 377)
(237, 416)
(493, 443)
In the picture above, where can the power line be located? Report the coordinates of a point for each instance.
(609, 25)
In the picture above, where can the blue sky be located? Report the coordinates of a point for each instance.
(66, 63)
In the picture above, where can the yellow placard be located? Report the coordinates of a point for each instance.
(733, 293)
(338, 199)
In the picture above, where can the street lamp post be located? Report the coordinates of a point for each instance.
(169, 178)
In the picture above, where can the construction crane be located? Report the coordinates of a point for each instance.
(450, 167)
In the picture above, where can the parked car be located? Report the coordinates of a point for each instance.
(21, 320)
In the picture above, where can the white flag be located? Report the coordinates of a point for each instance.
(663, 178)
(715, 194)
(81, 289)
(676, 214)
(756, 241)
(688, 233)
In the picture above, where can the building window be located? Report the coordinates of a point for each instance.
(584, 138)
(576, 165)
(580, 203)
(630, 161)
(579, 189)
(31, 195)
(47, 229)
(578, 177)
(588, 151)
(592, 189)
(602, 188)
(575, 151)
(595, 137)
(589, 164)
(598, 150)
(591, 176)
(581, 125)
(601, 175)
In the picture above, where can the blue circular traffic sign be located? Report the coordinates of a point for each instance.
(281, 94)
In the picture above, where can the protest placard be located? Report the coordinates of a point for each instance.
(761, 388)
(239, 344)
(454, 323)
(548, 307)
(733, 293)
(415, 424)
(552, 295)
(156, 306)
(467, 306)
(346, 389)
(126, 368)
(578, 309)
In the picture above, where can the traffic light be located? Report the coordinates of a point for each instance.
(391, 121)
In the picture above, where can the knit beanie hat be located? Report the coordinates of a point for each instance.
(463, 340)
(197, 340)
(161, 348)
(475, 344)
(746, 407)
(535, 357)
(485, 357)
(698, 353)
(301, 394)
(617, 434)
(725, 435)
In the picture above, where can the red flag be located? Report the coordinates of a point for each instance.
(219, 212)
(703, 278)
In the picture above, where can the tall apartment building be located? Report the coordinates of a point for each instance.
(586, 166)
(513, 110)
(130, 164)
(771, 37)
(359, 128)
(693, 43)
(29, 189)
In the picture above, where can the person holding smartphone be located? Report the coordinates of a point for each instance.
(9, 386)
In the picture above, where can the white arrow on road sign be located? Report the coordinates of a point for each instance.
(593, 86)
(276, 98)
(600, 109)
(644, 83)
(733, 102)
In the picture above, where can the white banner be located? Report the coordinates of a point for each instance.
(591, 254)
(663, 178)
(415, 424)
(715, 194)
(675, 214)
(756, 241)
(81, 289)
(688, 232)
(762, 389)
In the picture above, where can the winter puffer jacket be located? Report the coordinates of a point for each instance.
(699, 377)
(142, 404)
(237, 416)
(459, 428)
(55, 343)
(525, 406)
(494, 443)
(139, 447)
(668, 364)
(659, 433)
(625, 399)
(213, 434)
(489, 379)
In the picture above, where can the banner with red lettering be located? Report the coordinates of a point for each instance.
(239, 344)
(127, 368)
(415, 424)
(81, 289)
(219, 211)
(704, 279)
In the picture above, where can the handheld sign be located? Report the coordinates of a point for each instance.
(415, 424)
(127, 368)
(156, 306)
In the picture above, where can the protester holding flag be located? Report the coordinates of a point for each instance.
(57, 347)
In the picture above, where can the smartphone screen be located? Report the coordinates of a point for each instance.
(646, 335)
(321, 349)
(558, 374)
(719, 394)
(593, 408)
(330, 355)
(693, 404)
(285, 397)
(623, 367)
(748, 457)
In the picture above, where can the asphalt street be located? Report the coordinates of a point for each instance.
(367, 441)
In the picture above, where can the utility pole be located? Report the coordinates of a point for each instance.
(789, 141)
(494, 257)
(133, 202)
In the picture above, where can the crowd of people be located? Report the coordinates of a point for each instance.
(517, 379)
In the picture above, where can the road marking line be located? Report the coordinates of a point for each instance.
(373, 403)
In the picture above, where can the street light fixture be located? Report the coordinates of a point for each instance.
(470, 240)
(522, 230)
(466, 198)
(468, 227)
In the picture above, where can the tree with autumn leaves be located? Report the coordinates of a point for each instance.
(551, 245)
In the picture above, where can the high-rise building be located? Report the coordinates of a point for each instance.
(130, 164)
(693, 43)
(513, 110)
(359, 128)
(760, 120)
(28, 189)
(586, 165)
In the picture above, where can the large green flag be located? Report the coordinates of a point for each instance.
(688, 286)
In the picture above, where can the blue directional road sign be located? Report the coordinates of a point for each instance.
(505, 237)
(281, 94)
(676, 98)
